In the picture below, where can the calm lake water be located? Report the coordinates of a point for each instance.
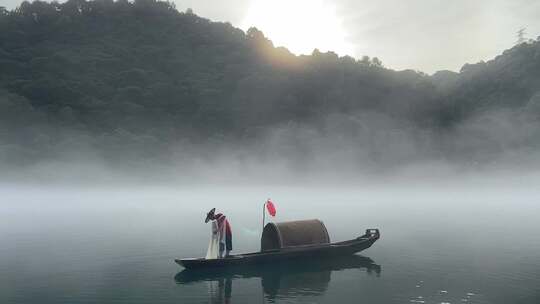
(438, 245)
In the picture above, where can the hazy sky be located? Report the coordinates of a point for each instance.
(426, 35)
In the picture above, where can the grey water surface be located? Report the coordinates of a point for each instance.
(438, 245)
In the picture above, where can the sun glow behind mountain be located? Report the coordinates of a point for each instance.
(300, 25)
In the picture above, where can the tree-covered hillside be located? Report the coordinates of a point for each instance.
(141, 79)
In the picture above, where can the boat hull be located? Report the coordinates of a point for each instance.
(297, 252)
(271, 271)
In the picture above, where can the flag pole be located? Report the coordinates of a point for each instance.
(264, 214)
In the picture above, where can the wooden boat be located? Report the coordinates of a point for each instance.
(290, 240)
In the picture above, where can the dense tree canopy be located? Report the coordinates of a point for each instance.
(140, 77)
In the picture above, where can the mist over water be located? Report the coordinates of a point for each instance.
(447, 240)
(457, 210)
(339, 148)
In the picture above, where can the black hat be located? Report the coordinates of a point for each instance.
(210, 215)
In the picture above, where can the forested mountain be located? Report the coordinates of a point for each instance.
(141, 80)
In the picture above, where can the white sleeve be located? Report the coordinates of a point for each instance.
(214, 227)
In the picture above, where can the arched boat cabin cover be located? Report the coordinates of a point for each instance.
(291, 234)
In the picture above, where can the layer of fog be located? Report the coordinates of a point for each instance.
(343, 148)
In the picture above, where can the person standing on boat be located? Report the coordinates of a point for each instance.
(221, 234)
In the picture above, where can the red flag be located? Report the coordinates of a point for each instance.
(270, 207)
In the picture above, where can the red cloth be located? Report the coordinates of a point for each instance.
(222, 220)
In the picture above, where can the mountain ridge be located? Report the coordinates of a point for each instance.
(130, 75)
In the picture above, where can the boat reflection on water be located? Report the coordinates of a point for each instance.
(284, 279)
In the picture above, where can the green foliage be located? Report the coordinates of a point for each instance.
(143, 70)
